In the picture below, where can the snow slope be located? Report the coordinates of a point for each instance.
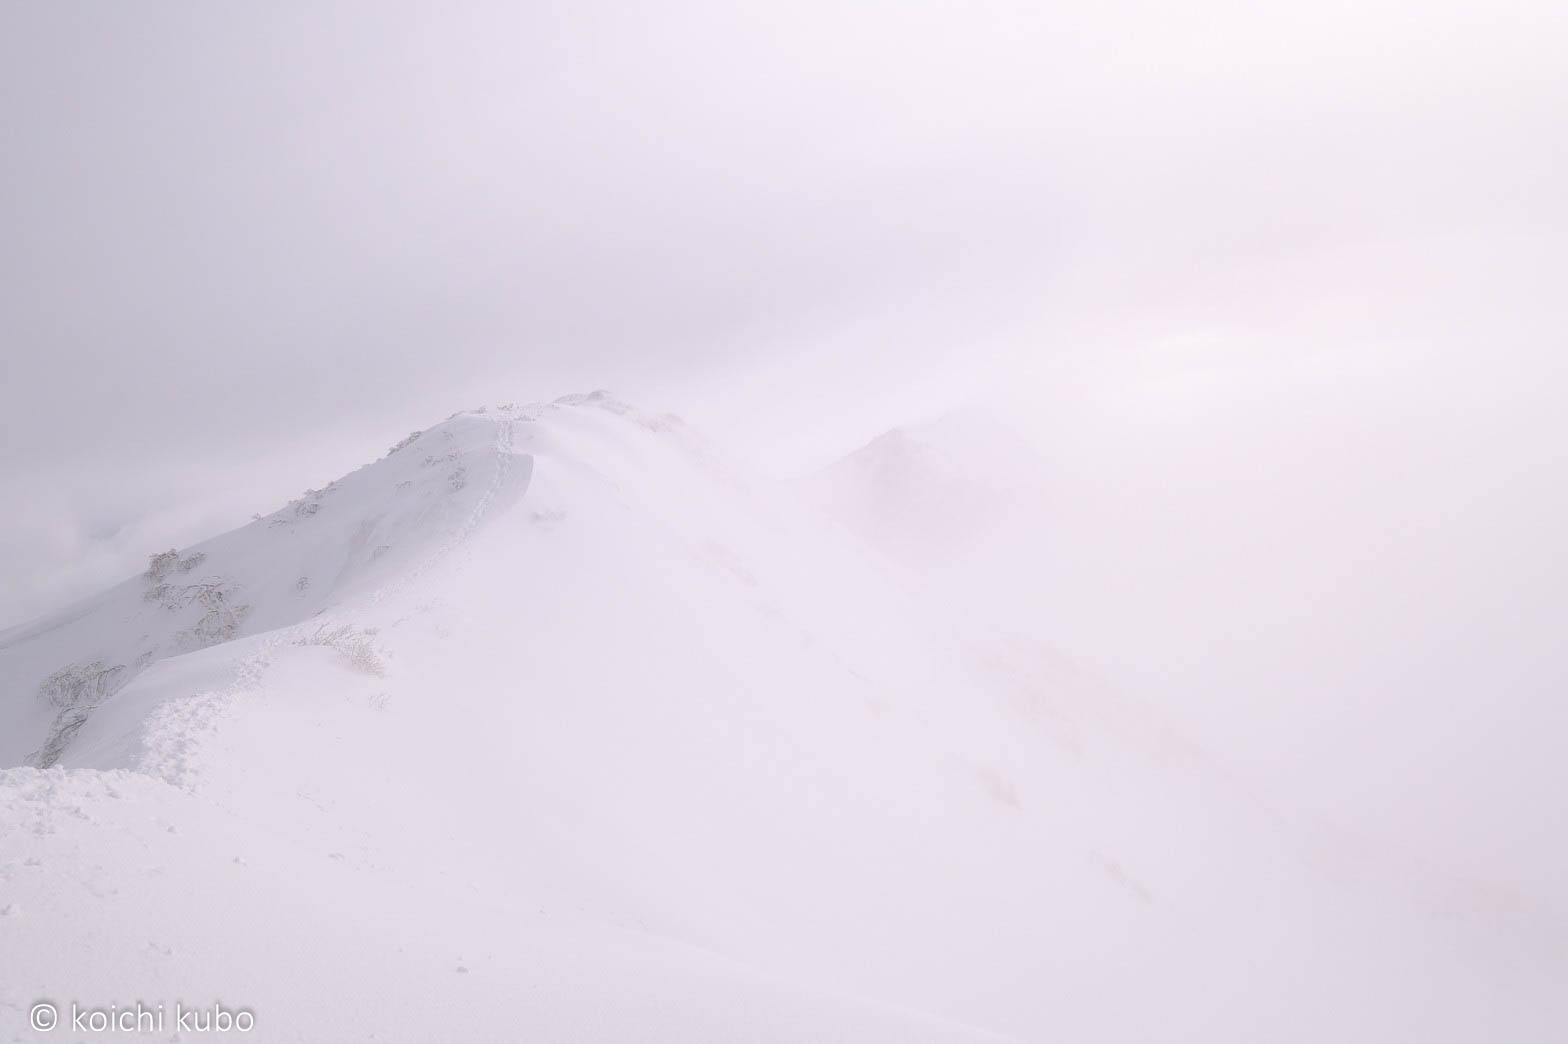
(574, 734)
(334, 543)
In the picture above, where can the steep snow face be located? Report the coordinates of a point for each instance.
(610, 744)
(331, 545)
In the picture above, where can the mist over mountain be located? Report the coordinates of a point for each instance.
(1074, 550)
(554, 723)
(932, 492)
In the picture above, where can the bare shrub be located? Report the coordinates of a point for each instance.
(81, 684)
(217, 625)
(356, 646)
(158, 565)
(222, 612)
(404, 442)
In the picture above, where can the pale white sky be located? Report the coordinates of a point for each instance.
(247, 248)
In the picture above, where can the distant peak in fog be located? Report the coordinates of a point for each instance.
(925, 492)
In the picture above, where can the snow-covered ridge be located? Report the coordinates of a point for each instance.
(344, 540)
(574, 734)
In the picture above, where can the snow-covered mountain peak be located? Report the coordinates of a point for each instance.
(926, 493)
(347, 540)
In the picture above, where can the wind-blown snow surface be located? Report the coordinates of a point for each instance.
(547, 726)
